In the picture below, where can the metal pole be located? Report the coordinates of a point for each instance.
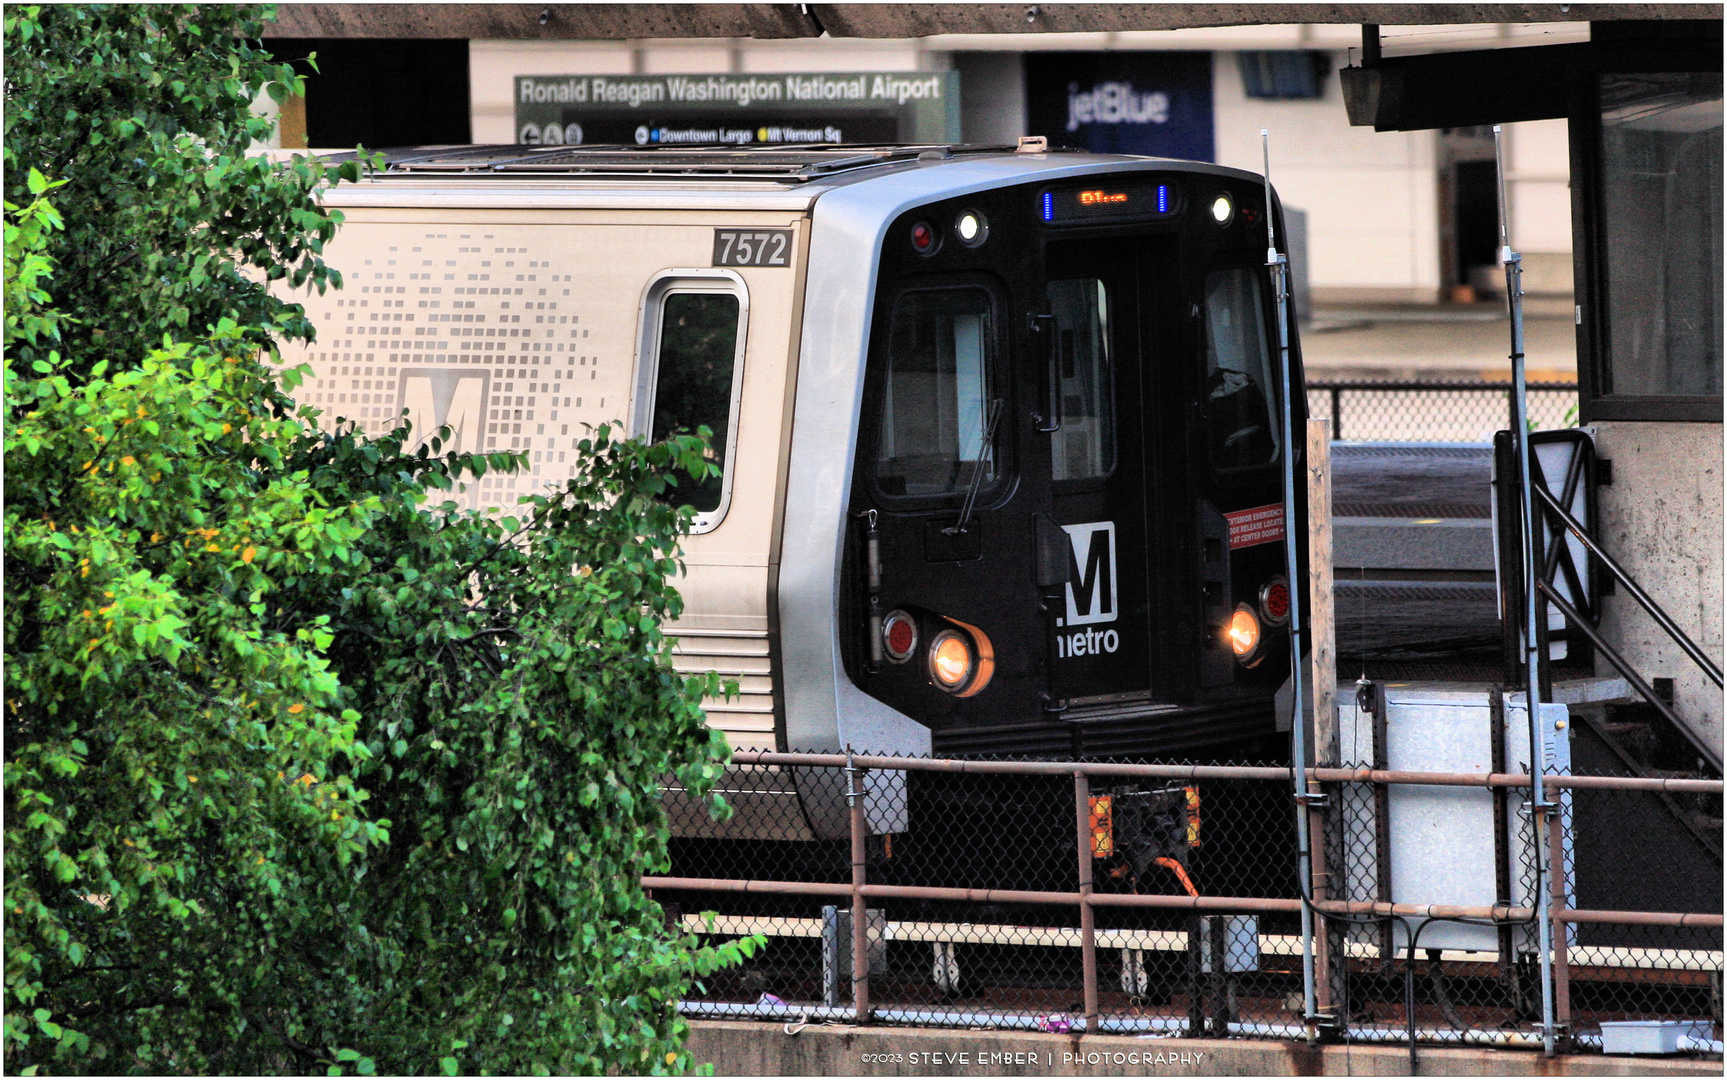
(1531, 613)
(860, 910)
(1559, 890)
(1279, 266)
(1087, 919)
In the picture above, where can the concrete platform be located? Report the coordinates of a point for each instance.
(742, 1048)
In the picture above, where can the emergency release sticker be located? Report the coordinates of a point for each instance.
(1260, 525)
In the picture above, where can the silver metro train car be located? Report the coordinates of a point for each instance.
(998, 427)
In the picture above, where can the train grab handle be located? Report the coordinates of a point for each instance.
(1042, 328)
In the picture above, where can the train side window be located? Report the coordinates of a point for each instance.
(1237, 400)
(690, 378)
(936, 396)
(1085, 443)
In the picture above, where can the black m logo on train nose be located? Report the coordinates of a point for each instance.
(1091, 586)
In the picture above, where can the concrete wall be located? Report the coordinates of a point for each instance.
(1661, 520)
(741, 1048)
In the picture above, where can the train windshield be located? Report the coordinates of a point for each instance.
(938, 394)
(1237, 372)
(1085, 443)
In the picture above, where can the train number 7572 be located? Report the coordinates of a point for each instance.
(752, 247)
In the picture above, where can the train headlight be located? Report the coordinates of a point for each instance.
(1274, 601)
(1223, 210)
(971, 228)
(950, 659)
(961, 659)
(1243, 632)
(898, 636)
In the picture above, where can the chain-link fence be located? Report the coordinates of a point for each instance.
(1160, 900)
(1434, 411)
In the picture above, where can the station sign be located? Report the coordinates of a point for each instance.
(738, 110)
(1153, 103)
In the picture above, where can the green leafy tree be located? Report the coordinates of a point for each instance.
(305, 768)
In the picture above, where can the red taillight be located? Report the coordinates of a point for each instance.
(1274, 601)
(923, 238)
(899, 636)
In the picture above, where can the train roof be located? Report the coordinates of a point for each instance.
(763, 177)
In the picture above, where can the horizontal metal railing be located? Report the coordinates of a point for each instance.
(860, 891)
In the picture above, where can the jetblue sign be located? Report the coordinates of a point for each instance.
(1155, 103)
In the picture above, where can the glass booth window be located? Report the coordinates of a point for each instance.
(695, 374)
(1237, 396)
(1085, 443)
(937, 394)
(1661, 208)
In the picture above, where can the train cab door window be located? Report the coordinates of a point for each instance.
(1085, 443)
(1237, 395)
(690, 378)
(938, 394)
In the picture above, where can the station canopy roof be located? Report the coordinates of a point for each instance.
(638, 21)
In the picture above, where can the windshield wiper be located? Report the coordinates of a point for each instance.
(985, 453)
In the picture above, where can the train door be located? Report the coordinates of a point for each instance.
(1101, 648)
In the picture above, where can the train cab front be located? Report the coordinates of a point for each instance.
(1066, 532)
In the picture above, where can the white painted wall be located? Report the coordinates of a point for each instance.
(1372, 199)
(1538, 182)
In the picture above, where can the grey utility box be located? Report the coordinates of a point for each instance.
(1654, 1036)
(837, 951)
(1441, 844)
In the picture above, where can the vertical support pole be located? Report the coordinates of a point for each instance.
(1324, 674)
(1278, 264)
(1087, 919)
(1323, 635)
(1337, 412)
(1559, 887)
(1532, 638)
(860, 914)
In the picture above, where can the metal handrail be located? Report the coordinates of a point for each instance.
(1220, 772)
(1661, 618)
(1647, 692)
(861, 891)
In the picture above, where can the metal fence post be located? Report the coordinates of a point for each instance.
(860, 914)
(1337, 412)
(1324, 671)
(1087, 921)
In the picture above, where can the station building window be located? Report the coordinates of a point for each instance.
(1661, 215)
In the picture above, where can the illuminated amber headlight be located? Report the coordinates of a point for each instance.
(961, 661)
(1243, 632)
